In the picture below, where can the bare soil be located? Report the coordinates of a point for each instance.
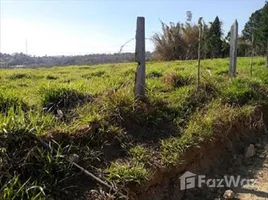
(224, 157)
(256, 168)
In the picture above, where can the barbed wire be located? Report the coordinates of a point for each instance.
(121, 48)
(128, 41)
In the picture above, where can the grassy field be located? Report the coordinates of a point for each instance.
(91, 111)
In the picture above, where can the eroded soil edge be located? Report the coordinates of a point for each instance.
(213, 159)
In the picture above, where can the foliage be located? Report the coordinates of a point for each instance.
(170, 45)
(258, 26)
(180, 41)
(214, 40)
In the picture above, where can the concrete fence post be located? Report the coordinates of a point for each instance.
(140, 58)
(233, 49)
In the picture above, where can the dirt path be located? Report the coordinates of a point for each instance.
(255, 167)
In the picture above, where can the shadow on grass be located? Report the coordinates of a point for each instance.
(152, 120)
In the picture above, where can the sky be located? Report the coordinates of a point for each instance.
(78, 27)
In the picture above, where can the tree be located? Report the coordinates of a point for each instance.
(258, 26)
(180, 41)
(264, 28)
(214, 42)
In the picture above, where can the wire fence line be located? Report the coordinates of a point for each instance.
(121, 50)
(128, 41)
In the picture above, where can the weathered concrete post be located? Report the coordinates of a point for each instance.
(140, 58)
(233, 49)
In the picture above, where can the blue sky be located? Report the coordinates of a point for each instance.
(76, 27)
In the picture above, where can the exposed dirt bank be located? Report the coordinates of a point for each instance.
(213, 159)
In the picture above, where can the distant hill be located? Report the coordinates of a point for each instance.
(23, 60)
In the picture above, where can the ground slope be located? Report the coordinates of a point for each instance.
(89, 114)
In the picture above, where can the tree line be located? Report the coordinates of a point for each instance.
(180, 40)
(21, 60)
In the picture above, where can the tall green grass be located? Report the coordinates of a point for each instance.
(91, 111)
